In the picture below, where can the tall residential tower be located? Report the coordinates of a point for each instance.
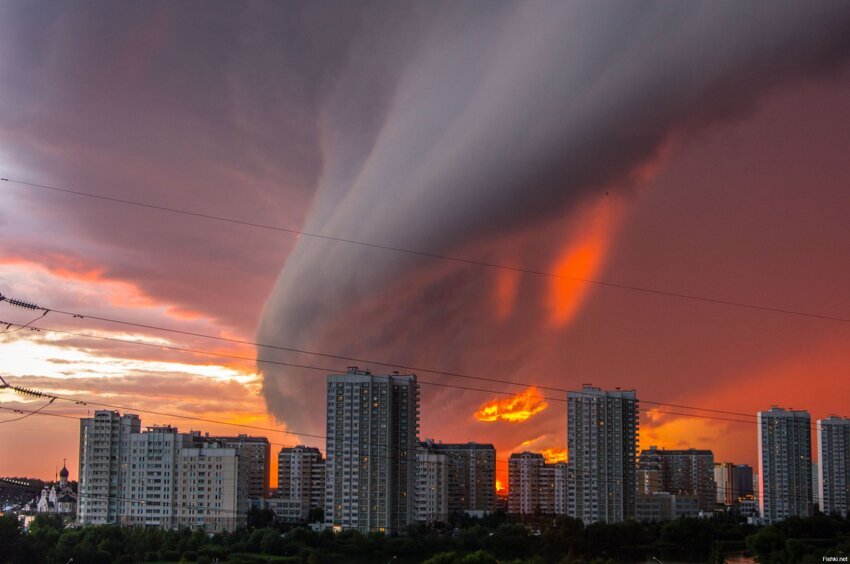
(834, 470)
(602, 442)
(785, 464)
(372, 438)
(104, 454)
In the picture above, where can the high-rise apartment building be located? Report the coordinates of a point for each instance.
(150, 486)
(160, 477)
(723, 482)
(687, 472)
(602, 431)
(535, 487)
(432, 486)
(785, 464)
(554, 488)
(472, 475)
(524, 486)
(301, 480)
(372, 437)
(257, 454)
(733, 482)
(742, 481)
(649, 472)
(212, 487)
(104, 453)
(834, 470)
(816, 493)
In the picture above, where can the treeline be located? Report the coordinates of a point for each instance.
(487, 541)
(810, 540)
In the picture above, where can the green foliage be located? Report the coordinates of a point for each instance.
(533, 540)
(272, 542)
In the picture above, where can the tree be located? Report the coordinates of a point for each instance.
(10, 538)
(767, 544)
(272, 542)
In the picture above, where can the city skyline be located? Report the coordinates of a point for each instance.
(682, 185)
(379, 476)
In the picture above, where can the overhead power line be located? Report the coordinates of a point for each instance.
(479, 462)
(342, 357)
(438, 256)
(328, 370)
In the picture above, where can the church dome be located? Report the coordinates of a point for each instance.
(64, 472)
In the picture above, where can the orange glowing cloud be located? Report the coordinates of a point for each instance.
(507, 286)
(515, 409)
(553, 455)
(581, 259)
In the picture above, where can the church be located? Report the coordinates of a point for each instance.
(59, 497)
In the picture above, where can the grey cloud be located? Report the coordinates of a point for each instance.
(497, 121)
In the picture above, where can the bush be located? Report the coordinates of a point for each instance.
(169, 556)
(272, 542)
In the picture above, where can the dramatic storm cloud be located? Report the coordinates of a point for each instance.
(696, 148)
(513, 135)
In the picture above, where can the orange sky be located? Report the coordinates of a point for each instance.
(752, 208)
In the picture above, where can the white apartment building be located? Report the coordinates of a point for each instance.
(524, 486)
(432, 486)
(257, 452)
(212, 488)
(785, 464)
(372, 437)
(104, 452)
(834, 469)
(158, 478)
(554, 488)
(150, 487)
(602, 429)
(301, 482)
(472, 475)
(535, 487)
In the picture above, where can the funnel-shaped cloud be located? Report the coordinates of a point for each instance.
(492, 132)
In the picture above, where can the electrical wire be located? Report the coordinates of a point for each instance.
(329, 370)
(485, 465)
(461, 260)
(348, 359)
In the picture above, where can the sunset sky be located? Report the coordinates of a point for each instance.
(699, 150)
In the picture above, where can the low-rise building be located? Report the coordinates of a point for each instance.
(663, 506)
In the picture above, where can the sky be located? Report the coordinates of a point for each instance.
(694, 149)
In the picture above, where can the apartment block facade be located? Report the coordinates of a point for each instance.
(602, 428)
(301, 482)
(257, 453)
(687, 472)
(834, 470)
(536, 487)
(432, 486)
(472, 475)
(372, 439)
(159, 477)
(785, 464)
(104, 460)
